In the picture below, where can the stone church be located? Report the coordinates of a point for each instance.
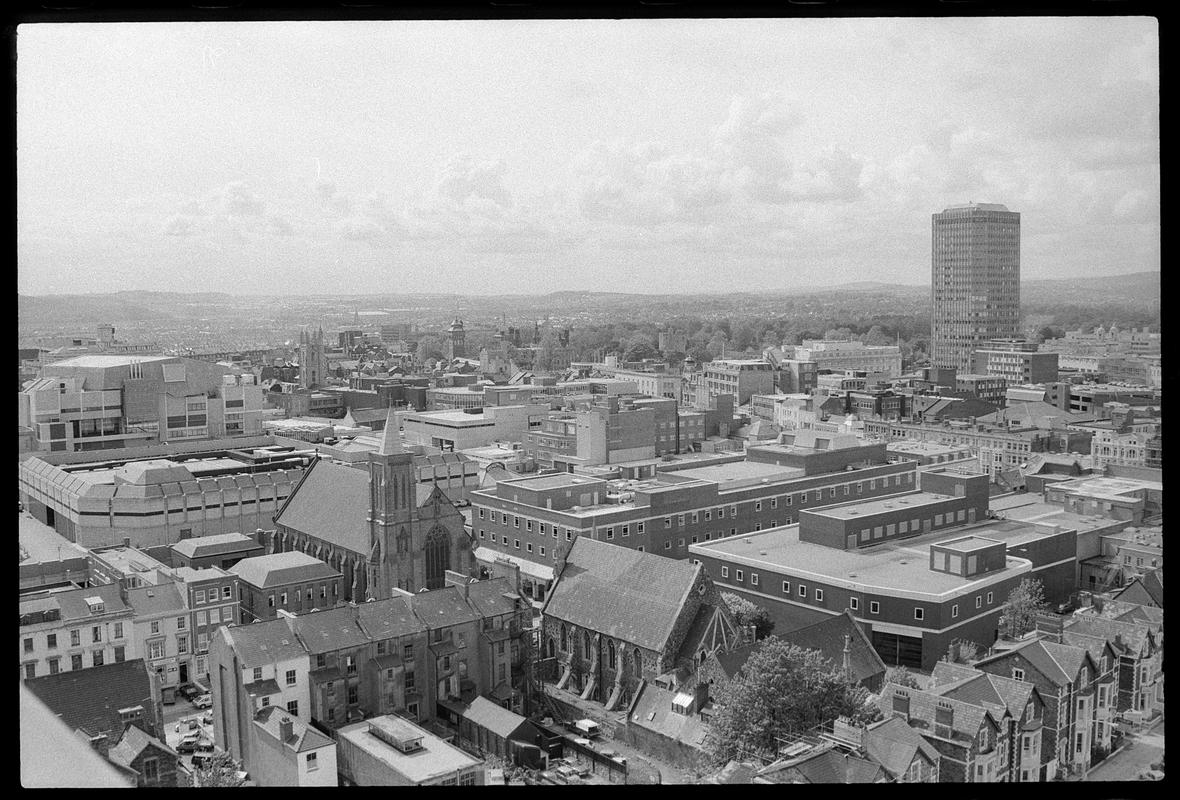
(378, 526)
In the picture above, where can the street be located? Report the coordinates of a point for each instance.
(1134, 759)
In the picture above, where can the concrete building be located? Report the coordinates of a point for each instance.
(47, 559)
(392, 751)
(292, 581)
(840, 355)
(461, 430)
(161, 495)
(975, 281)
(989, 388)
(920, 570)
(738, 377)
(1015, 362)
(100, 402)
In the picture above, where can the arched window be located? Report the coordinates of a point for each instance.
(610, 653)
(565, 639)
(438, 557)
(638, 662)
(552, 648)
(586, 644)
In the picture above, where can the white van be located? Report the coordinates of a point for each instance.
(588, 728)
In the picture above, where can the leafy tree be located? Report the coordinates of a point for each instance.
(430, 346)
(1020, 611)
(747, 613)
(781, 689)
(902, 677)
(221, 771)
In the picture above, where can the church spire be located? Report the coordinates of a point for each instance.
(391, 440)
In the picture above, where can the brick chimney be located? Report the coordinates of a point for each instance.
(286, 727)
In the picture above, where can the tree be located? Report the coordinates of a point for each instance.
(747, 613)
(220, 771)
(430, 346)
(781, 689)
(1020, 611)
(902, 677)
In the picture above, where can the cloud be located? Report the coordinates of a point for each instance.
(179, 225)
(238, 201)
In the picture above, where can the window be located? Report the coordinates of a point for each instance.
(739, 574)
(680, 520)
(200, 596)
(226, 592)
(293, 707)
(54, 666)
(854, 603)
(610, 533)
(638, 528)
(151, 769)
(282, 601)
(156, 650)
(733, 511)
(753, 578)
(725, 572)
(481, 513)
(668, 545)
(96, 658)
(802, 590)
(516, 522)
(290, 677)
(989, 598)
(350, 664)
(819, 595)
(788, 499)
(181, 644)
(265, 702)
(311, 761)
(76, 661)
(180, 625)
(954, 611)
(119, 655)
(215, 615)
(919, 613)
(270, 601)
(1017, 674)
(31, 669)
(833, 493)
(774, 502)
(51, 641)
(874, 607)
(516, 543)
(542, 549)
(155, 626)
(626, 530)
(696, 518)
(757, 505)
(979, 601)
(528, 524)
(28, 645)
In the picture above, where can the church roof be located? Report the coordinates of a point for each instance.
(331, 503)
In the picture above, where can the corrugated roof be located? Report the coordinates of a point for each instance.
(628, 595)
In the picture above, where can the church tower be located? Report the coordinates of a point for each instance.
(392, 498)
(457, 341)
(313, 363)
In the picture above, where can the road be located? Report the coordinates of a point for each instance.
(1134, 759)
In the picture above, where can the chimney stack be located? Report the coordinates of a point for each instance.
(847, 659)
(285, 728)
(126, 541)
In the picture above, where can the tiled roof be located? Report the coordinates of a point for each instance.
(280, 569)
(1057, 662)
(970, 685)
(894, 745)
(827, 636)
(134, 742)
(90, 699)
(388, 619)
(1147, 589)
(632, 596)
(327, 631)
(303, 736)
(331, 503)
(262, 643)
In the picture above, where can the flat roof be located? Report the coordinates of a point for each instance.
(908, 446)
(434, 760)
(968, 544)
(40, 543)
(445, 416)
(559, 481)
(869, 508)
(128, 560)
(105, 361)
(897, 567)
(740, 473)
(1109, 487)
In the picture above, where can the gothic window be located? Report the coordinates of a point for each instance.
(438, 557)
(638, 662)
(586, 644)
(610, 654)
(552, 648)
(403, 541)
(565, 639)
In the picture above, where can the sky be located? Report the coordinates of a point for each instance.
(534, 156)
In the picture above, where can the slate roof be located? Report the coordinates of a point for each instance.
(151, 600)
(134, 742)
(894, 745)
(281, 569)
(1147, 590)
(965, 721)
(262, 643)
(827, 636)
(975, 686)
(388, 619)
(72, 603)
(826, 766)
(707, 631)
(628, 595)
(303, 736)
(1057, 662)
(204, 546)
(497, 719)
(652, 710)
(330, 503)
(442, 608)
(89, 699)
(489, 596)
(330, 630)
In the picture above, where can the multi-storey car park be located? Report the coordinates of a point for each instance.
(532, 521)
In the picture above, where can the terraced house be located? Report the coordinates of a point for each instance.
(971, 741)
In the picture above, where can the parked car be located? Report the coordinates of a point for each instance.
(207, 718)
(204, 701)
(189, 724)
(188, 691)
(193, 743)
(203, 758)
(588, 728)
